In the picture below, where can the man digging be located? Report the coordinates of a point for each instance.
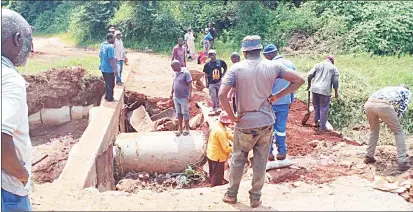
(381, 105)
(214, 70)
(180, 96)
(253, 79)
(280, 107)
(321, 78)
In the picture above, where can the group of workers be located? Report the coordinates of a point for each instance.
(262, 89)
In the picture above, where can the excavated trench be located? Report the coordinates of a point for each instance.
(154, 114)
(58, 104)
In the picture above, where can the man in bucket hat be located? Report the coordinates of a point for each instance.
(281, 107)
(253, 79)
(219, 148)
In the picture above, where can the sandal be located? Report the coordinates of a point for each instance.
(177, 134)
(186, 132)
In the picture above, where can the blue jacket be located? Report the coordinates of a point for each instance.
(280, 84)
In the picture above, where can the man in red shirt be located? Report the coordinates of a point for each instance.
(179, 53)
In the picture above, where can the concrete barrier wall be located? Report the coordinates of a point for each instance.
(90, 161)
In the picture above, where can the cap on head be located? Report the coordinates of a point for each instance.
(331, 58)
(224, 118)
(206, 29)
(235, 54)
(211, 51)
(404, 86)
(117, 32)
(252, 42)
(270, 48)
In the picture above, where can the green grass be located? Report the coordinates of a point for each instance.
(39, 64)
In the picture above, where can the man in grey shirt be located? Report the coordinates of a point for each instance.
(321, 78)
(253, 79)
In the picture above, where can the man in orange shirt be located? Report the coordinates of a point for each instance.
(219, 148)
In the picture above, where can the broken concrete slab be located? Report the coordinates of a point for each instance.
(140, 120)
(166, 113)
(196, 121)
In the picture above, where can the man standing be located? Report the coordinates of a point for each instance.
(214, 70)
(235, 58)
(180, 96)
(16, 147)
(253, 79)
(179, 53)
(321, 78)
(206, 42)
(280, 107)
(381, 105)
(108, 65)
(213, 32)
(120, 56)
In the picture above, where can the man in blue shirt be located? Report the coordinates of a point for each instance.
(108, 65)
(280, 107)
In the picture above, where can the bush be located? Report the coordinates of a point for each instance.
(54, 21)
(90, 21)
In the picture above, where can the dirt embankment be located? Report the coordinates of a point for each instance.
(62, 87)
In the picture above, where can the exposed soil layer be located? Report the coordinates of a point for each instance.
(62, 87)
(51, 148)
(299, 136)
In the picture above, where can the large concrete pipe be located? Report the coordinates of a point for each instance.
(57, 116)
(160, 152)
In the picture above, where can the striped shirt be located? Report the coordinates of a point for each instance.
(253, 81)
(397, 96)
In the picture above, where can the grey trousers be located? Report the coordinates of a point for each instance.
(259, 141)
(213, 92)
(384, 111)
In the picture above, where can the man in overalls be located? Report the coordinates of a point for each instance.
(281, 107)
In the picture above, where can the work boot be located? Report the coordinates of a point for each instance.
(271, 157)
(229, 199)
(281, 156)
(255, 203)
(369, 160)
(404, 166)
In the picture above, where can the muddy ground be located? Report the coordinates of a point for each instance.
(329, 174)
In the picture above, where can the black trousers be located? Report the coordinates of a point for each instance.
(109, 85)
(216, 172)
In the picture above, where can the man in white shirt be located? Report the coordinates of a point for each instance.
(119, 55)
(16, 37)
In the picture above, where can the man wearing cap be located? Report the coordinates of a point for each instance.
(219, 148)
(381, 105)
(321, 78)
(214, 70)
(281, 107)
(120, 56)
(253, 79)
(179, 53)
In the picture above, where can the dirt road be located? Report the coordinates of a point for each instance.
(151, 75)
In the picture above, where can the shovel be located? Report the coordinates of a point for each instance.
(307, 115)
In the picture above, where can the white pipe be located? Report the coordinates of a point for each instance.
(57, 116)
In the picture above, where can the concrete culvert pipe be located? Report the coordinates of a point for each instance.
(160, 152)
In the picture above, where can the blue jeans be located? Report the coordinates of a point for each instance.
(182, 107)
(119, 67)
(280, 127)
(12, 202)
